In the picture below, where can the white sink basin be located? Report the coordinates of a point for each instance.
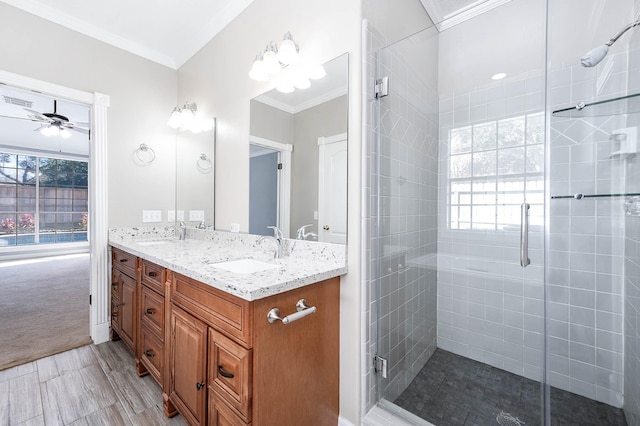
(152, 243)
(245, 266)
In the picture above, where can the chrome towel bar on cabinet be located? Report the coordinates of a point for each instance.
(302, 311)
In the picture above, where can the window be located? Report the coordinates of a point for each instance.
(492, 166)
(42, 200)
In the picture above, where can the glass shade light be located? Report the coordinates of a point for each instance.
(271, 63)
(174, 118)
(65, 134)
(288, 53)
(258, 70)
(302, 83)
(285, 87)
(317, 73)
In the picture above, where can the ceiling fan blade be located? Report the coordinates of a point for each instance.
(15, 118)
(79, 130)
(36, 116)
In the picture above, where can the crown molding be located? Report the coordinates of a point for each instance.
(325, 97)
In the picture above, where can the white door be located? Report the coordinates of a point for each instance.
(332, 191)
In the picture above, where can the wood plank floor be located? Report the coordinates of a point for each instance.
(90, 385)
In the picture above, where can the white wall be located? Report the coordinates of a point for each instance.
(142, 93)
(216, 78)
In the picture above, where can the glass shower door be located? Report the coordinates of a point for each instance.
(460, 321)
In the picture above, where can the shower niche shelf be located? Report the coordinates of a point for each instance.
(629, 104)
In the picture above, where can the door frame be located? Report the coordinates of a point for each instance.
(284, 180)
(98, 228)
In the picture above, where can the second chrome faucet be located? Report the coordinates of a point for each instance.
(277, 240)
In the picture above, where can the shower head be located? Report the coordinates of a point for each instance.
(597, 54)
(594, 56)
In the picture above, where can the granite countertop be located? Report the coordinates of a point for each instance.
(301, 263)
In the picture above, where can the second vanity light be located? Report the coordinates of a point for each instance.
(185, 117)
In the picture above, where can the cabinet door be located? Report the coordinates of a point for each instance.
(128, 310)
(188, 390)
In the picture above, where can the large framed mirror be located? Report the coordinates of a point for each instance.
(298, 159)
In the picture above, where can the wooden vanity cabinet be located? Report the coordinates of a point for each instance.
(150, 354)
(230, 366)
(123, 297)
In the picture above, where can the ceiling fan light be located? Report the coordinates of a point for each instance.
(65, 134)
(288, 52)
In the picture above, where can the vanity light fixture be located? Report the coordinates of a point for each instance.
(272, 60)
(185, 117)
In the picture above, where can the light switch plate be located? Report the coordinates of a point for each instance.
(171, 215)
(151, 215)
(235, 227)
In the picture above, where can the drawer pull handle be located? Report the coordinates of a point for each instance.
(224, 373)
(151, 311)
(153, 274)
(114, 315)
(199, 386)
(149, 353)
(124, 260)
(302, 311)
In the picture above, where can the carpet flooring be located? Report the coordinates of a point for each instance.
(454, 390)
(44, 307)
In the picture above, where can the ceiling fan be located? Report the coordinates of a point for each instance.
(55, 124)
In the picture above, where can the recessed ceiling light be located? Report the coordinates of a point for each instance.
(498, 76)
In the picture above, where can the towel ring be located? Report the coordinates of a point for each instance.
(145, 154)
(204, 163)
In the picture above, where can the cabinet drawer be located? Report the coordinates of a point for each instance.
(152, 353)
(152, 310)
(153, 276)
(123, 261)
(230, 372)
(222, 415)
(221, 310)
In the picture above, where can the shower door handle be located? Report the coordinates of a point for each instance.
(524, 235)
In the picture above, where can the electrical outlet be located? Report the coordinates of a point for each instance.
(171, 215)
(151, 215)
(196, 215)
(181, 215)
(235, 227)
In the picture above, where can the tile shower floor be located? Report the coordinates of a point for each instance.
(453, 390)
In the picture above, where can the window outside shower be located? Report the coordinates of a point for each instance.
(43, 200)
(491, 167)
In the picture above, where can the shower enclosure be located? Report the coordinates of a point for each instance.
(504, 238)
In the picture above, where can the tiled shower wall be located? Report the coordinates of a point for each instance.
(585, 264)
(403, 185)
(490, 309)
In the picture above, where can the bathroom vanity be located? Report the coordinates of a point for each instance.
(253, 344)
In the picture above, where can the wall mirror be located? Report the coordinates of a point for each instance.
(195, 200)
(298, 158)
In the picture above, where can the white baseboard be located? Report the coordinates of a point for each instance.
(344, 422)
(101, 333)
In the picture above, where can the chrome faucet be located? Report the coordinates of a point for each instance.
(277, 240)
(203, 224)
(182, 230)
(302, 233)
